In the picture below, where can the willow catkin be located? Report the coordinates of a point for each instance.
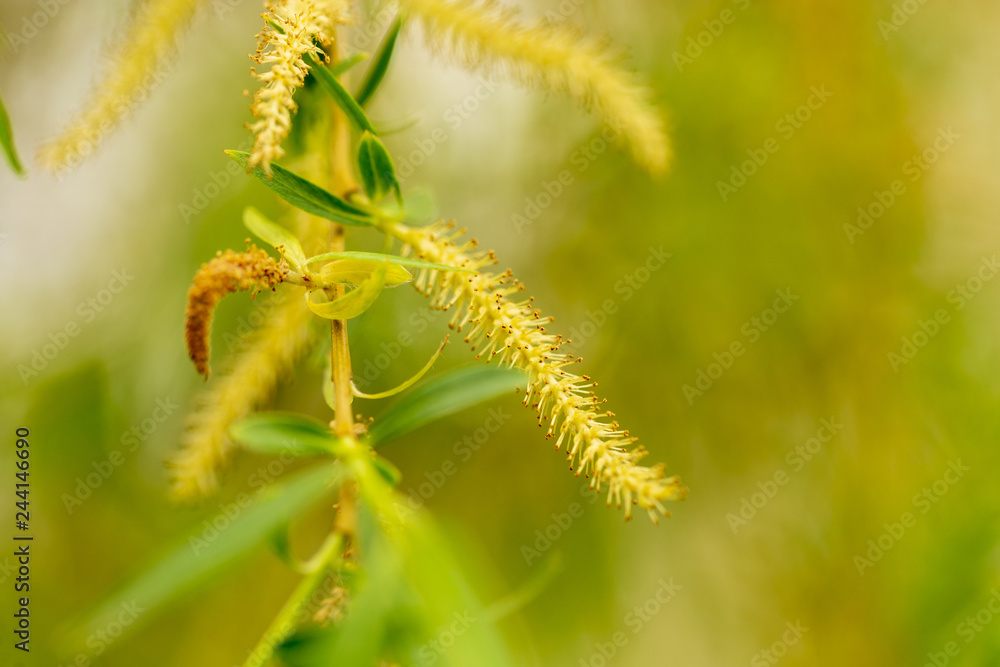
(293, 30)
(504, 327)
(488, 38)
(136, 65)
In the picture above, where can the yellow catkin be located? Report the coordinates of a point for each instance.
(502, 327)
(488, 38)
(248, 383)
(291, 31)
(227, 272)
(137, 64)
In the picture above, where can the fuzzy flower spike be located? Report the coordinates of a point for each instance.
(137, 63)
(484, 36)
(228, 272)
(507, 329)
(291, 32)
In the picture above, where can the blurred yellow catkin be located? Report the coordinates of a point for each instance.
(247, 384)
(137, 63)
(486, 37)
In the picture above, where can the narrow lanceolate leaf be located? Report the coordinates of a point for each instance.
(283, 433)
(445, 396)
(378, 175)
(382, 257)
(208, 554)
(409, 593)
(348, 104)
(380, 65)
(381, 606)
(353, 303)
(356, 271)
(306, 196)
(7, 142)
(275, 235)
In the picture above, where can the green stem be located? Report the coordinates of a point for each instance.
(287, 619)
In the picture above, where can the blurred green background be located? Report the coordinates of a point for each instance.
(771, 538)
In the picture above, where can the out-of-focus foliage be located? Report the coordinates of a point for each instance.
(813, 435)
(7, 142)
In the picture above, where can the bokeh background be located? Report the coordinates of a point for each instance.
(799, 554)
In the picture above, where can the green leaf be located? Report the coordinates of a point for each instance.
(356, 271)
(347, 63)
(434, 570)
(380, 602)
(354, 302)
(380, 64)
(444, 396)
(381, 257)
(330, 391)
(306, 196)
(209, 554)
(409, 592)
(378, 175)
(7, 142)
(283, 549)
(280, 432)
(275, 235)
(388, 471)
(330, 84)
